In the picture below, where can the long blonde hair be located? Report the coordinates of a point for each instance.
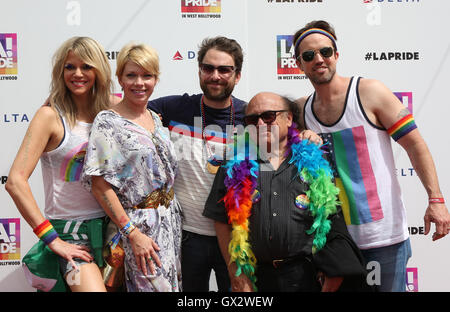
(93, 54)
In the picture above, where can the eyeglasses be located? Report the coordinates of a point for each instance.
(268, 117)
(223, 70)
(309, 55)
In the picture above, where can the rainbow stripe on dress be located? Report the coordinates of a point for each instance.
(402, 127)
(46, 232)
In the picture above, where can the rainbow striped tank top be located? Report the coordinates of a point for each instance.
(363, 162)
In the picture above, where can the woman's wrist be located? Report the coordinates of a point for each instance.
(133, 234)
(46, 232)
(128, 229)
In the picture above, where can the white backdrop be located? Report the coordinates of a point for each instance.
(401, 43)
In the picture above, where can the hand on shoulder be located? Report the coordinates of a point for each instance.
(301, 101)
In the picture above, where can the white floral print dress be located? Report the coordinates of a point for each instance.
(136, 162)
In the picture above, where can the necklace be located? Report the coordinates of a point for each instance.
(241, 181)
(213, 163)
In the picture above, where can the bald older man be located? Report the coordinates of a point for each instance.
(281, 216)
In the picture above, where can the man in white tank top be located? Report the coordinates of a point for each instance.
(357, 117)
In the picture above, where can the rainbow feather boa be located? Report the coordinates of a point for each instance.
(241, 182)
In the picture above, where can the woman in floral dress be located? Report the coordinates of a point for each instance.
(130, 167)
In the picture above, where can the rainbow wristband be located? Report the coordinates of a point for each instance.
(402, 127)
(46, 232)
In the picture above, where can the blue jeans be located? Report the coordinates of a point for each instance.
(393, 260)
(200, 255)
(65, 266)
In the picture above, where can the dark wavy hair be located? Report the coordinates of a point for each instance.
(223, 44)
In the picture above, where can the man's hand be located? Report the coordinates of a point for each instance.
(311, 136)
(239, 283)
(329, 284)
(438, 214)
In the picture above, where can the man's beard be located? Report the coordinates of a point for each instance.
(226, 92)
(322, 79)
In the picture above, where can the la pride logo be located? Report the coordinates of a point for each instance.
(10, 239)
(406, 98)
(286, 56)
(8, 54)
(201, 6)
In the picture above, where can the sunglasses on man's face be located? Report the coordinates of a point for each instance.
(223, 70)
(268, 117)
(309, 55)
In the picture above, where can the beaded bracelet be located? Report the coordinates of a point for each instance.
(46, 232)
(438, 200)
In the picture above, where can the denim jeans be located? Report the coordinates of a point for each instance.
(65, 266)
(393, 260)
(200, 255)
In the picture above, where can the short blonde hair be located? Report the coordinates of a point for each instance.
(93, 54)
(141, 54)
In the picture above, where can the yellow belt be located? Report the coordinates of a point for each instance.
(156, 198)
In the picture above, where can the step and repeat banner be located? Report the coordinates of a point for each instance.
(400, 42)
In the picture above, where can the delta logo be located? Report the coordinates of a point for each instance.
(406, 98)
(201, 6)
(179, 57)
(286, 56)
(10, 239)
(8, 54)
(412, 280)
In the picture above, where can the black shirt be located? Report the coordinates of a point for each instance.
(277, 226)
